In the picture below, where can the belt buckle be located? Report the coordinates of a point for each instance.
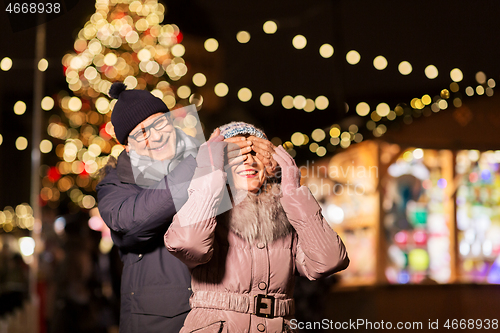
(264, 306)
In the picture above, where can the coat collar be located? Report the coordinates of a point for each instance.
(259, 217)
(124, 168)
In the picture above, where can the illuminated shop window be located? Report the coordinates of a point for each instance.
(416, 204)
(478, 215)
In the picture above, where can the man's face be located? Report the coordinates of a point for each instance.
(154, 137)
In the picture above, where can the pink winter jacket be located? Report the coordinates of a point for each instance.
(243, 287)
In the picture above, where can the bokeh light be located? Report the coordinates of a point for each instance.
(456, 75)
(199, 79)
(383, 109)
(431, 72)
(299, 42)
(110, 59)
(27, 246)
(334, 141)
(267, 99)
(481, 77)
(469, 91)
(418, 153)
(243, 37)
(298, 139)
(405, 67)
(380, 62)
(392, 115)
(334, 132)
(47, 103)
(299, 102)
(444, 94)
(358, 137)
(21, 143)
(19, 108)
(102, 105)
(211, 45)
(321, 151)
(321, 102)
(270, 27)
(345, 143)
(426, 99)
(178, 50)
(244, 94)
(45, 146)
(335, 214)
(310, 105)
(443, 105)
(362, 109)
(43, 64)
(75, 104)
(6, 64)
(287, 102)
(353, 57)
(183, 91)
(131, 82)
(318, 135)
(88, 202)
(326, 50)
(416, 103)
(221, 89)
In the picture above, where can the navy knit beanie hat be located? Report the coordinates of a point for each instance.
(132, 107)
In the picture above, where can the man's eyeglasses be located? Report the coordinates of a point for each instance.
(145, 132)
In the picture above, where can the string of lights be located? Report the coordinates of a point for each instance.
(417, 106)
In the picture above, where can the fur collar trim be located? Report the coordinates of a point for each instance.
(259, 217)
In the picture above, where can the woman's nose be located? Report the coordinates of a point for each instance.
(250, 160)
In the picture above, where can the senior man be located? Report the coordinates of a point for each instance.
(137, 198)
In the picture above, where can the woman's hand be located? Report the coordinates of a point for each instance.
(264, 150)
(237, 150)
(290, 174)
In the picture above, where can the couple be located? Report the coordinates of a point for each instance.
(189, 241)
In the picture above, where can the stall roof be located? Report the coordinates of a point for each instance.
(474, 125)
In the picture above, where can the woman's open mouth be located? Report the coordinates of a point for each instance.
(248, 173)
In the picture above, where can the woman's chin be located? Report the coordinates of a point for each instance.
(251, 186)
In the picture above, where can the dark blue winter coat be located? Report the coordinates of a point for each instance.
(155, 286)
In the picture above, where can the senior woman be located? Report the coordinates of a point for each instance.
(243, 261)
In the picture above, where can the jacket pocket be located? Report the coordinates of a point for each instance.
(217, 327)
(167, 302)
